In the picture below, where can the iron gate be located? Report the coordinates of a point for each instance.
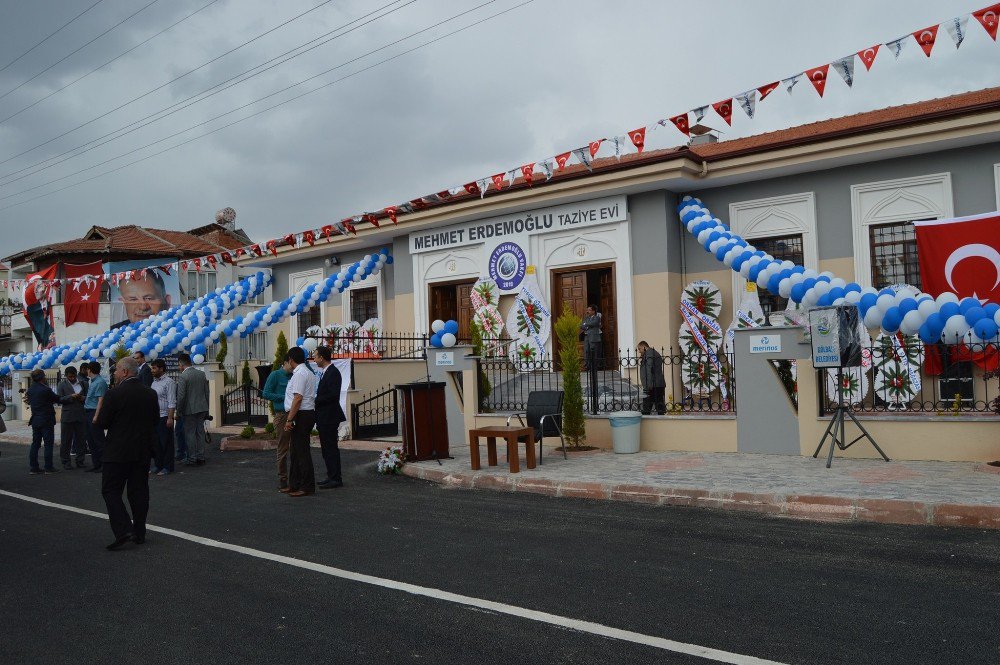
(375, 415)
(244, 404)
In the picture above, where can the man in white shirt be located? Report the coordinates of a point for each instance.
(166, 395)
(300, 405)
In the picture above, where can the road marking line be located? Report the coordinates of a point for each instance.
(438, 594)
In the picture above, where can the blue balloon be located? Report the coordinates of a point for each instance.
(887, 292)
(868, 300)
(798, 292)
(824, 300)
(689, 215)
(299, 341)
(967, 304)
(936, 323)
(772, 284)
(756, 270)
(436, 340)
(907, 305)
(891, 319)
(835, 293)
(927, 335)
(701, 226)
(451, 326)
(785, 274)
(822, 278)
(389, 261)
(948, 310)
(809, 282)
(722, 251)
(974, 314)
(712, 237)
(991, 309)
(986, 328)
(798, 270)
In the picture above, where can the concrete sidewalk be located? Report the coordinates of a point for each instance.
(941, 493)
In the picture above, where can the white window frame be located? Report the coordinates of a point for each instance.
(798, 215)
(368, 282)
(869, 202)
(297, 281)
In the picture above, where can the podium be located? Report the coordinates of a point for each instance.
(423, 420)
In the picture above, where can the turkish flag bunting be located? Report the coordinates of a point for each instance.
(272, 247)
(638, 138)
(868, 56)
(562, 159)
(391, 212)
(418, 204)
(289, 239)
(471, 188)
(498, 180)
(725, 110)
(349, 225)
(371, 219)
(83, 292)
(961, 255)
(444, 194)
(212, 261)
(681, 123)
(255, 249)
(197, 267)
(327, 231)
(926, 38)
(227, 258)
(309, 237)
(594, 147)
(766, 90)
(988, 18)
(817, 76)
(526, 171)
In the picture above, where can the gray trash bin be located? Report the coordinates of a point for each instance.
(625, 431)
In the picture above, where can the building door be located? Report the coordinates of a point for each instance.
(451, 301)
(581, 287)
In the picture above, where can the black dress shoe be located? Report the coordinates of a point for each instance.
(119, 541)
(329, 484)
(80, 464)
(94, 469)
(139, 540)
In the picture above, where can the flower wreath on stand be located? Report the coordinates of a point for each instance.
(391, 460)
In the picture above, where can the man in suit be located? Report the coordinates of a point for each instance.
(145, 373)
(329, 415)
(593, 347)
(130, 413)
(41, 400)
(192, 406)
(72, 393)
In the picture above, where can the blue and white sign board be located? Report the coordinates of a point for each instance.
(445, 359)
(765, 344)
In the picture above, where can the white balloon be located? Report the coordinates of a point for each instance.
(809, 272)
(310, 344)
(911, 322)
(822, 288)
(785, 287)
(852, 297)
(837, 282)
(927, 307)
(947, 297)
(884, 302)
(198, 359)
(716, 244)
(448, 339)
(437, 326)
(996, 317)
(873, 319)
(745, 269)
(954, 329)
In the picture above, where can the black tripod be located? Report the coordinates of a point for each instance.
(839, 413)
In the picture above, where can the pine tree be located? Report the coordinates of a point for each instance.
(280, 351)
(245, 375)
(220, 358)
(568, 332)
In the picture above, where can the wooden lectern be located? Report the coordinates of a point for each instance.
(424, 420)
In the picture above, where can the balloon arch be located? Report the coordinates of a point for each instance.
(195, 326)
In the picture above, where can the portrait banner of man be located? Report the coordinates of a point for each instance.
(37, 299)
(149, 290)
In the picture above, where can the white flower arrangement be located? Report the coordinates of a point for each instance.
(391, 460)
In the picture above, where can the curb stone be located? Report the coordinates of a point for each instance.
(794, 506)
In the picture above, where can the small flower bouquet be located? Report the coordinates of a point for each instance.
(391, 460)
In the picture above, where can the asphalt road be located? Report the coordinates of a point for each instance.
(786, 591)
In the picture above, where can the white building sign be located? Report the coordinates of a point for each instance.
(765, 343)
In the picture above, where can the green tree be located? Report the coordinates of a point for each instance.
(220, 358)
(280, 351)
(245, 375)
(485, 389)
(568, 333)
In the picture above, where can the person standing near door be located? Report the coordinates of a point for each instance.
(72, 421)
(593, 346)
(192, 405)
(329, 415)
(653, 382)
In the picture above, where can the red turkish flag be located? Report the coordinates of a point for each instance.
(498, 180)
(961, 255)
(471, 188)
(725, 110)
(681, 123)
(348, 223)
(227, 258)
(817, 76)
(766, 90)
(526, 171)
(83, 292)
(868, 56)
(371, 219)
(211, 260)
(327, 230)
(444, 195)
(391, 212)
(418, 204)
(926, 38)
(638, 138)
(594, 147)
(989, 17)
(253, 248)
(562, 159)
(272, 247)
(309, 237)
(197, 267)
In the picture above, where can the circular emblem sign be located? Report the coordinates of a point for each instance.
(508, 265)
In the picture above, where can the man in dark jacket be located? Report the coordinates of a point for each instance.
(41, 400)
(145, 374)
(653, 382)
(129, 412)
(72, 392)
(593, 347)
(329, 415)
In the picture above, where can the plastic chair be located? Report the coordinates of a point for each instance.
(544, 415)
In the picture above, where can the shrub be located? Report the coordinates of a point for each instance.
(269, 430)
(245, 374)
(568, 333)
(248, 432)
(484, 383)
(280, 351)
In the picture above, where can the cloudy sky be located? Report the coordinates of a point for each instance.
(540, 79)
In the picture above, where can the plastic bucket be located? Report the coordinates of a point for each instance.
(625, 431)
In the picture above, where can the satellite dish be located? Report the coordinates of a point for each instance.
(228, 215)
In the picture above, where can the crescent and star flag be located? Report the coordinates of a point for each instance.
(725, 110)
(83, 292)
(988, 18)
(681, 123)
(638, 138)
(526, 171)
(562, 159)
(868, 56)
(766, 90)
(817, 76)
(961, 255)
(37, 300)
(926, 38)
(594, 147)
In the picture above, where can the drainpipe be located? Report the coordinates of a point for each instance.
(704, 169)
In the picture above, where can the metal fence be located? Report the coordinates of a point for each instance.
(907, 377)
(376, 414)
(695, 383)
(244, 404)
(362, 346)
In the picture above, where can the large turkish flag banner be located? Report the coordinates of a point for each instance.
(961, 255)
(83, 292)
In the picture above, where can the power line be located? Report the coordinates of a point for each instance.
(166, 112)
(68, 55)
(51, 35)
(238, 108)
(117, 57)
(262, 111)
(171, 81)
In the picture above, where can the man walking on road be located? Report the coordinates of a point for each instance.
(329, 415)
(72, 421)
(95, 395)
(166, 394)
(129, 414)
(300, 404)
(41, 399)
(192, 405)
(274, 390)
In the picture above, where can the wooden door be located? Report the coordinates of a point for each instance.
(609, 314)
(570, 288)
(443, 302)
(465, 309)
